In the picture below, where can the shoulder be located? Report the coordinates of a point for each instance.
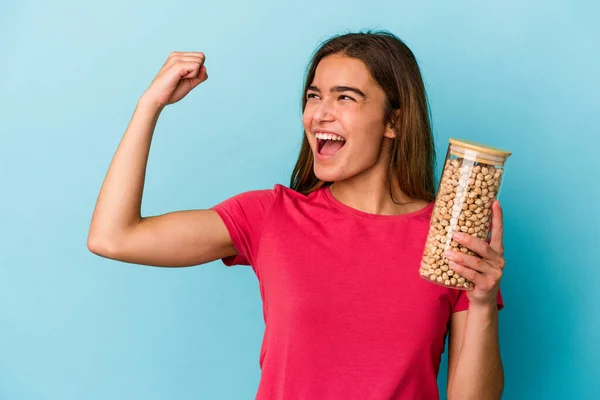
(422, 205)
(277, 189)
(272, 195)
(291, 199)
(278, 200)
(262, 199)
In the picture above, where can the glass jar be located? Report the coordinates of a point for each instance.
(469, 184)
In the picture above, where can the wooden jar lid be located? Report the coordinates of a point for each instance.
(484, 153)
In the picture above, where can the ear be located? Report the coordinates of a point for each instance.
(390, 132)
(390, 128)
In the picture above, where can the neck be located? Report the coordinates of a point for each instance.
(370, 192)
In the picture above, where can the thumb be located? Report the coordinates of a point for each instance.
(202, 76)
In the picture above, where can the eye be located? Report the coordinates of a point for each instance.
(311, 96)
(347, 97)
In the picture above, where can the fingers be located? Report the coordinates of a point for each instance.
(196, 80)
(484, 270)
(203, 74)
(480, 247)
(176, 57)
(475, 263)
(480, 281)
(192, 56)
(466, 273)
(182, 72)
(189, 53)
(187, 69)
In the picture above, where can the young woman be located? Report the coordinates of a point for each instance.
(337, 254)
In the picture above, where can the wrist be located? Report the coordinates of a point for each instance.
(486, 306)
(483, 316)
(146, 104)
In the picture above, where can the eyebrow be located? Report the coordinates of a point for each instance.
(340, 89)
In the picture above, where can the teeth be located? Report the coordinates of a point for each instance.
(328, 136)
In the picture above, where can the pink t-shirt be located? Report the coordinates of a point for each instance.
(346, 314)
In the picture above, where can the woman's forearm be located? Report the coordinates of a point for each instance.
(479, 374)
(119, 202)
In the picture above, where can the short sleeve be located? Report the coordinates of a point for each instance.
(462, 303)
(244, 216)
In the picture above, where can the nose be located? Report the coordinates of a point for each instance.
(324, 111)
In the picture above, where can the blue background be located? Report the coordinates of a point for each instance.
(517, 75)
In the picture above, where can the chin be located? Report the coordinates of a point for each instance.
(329, 173)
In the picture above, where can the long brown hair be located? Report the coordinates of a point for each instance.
(394, 67)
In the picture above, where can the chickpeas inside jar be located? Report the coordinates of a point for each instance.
(470, 182)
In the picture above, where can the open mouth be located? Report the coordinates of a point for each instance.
(329, 144)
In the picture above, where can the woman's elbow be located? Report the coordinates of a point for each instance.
(101, 245)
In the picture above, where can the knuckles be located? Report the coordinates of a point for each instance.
(175, 54)
(502, 263)
(478, 263)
